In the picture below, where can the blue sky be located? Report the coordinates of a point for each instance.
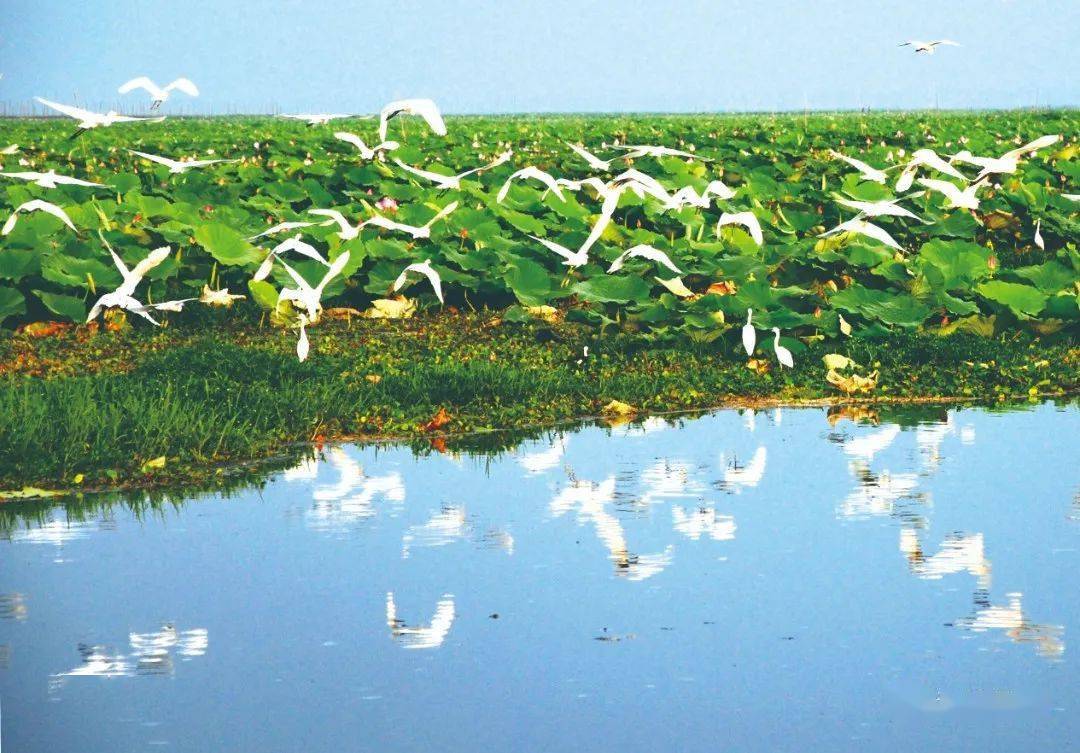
(555, 55)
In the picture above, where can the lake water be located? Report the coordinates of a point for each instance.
(770, 581)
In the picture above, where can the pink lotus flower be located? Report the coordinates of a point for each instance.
(386, 204)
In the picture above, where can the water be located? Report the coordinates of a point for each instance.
(769, 581)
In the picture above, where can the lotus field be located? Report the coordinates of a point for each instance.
(824, 226)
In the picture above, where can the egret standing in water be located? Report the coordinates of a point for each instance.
(783, 355)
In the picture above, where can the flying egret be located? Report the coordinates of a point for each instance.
(644, 251)
(347, 231)
(749, 334)
(870, 230)
(783, 355)
(534, 173)
(314, 119)
(746, 219)
(1007, 163)
(866, 172)
(927, 47)
(180, 167)
(425, 108)
(289, 244)
(281, 226)
(51, 180)
(925, 158)
(643, 150)
(36, 205)
(688, 196)
(447, 182)
(593, 161)
(366, 152)
(306, 296)
(88, 120)
(957, 199)
(641, 184)
(425, 269)
(424, 231)
(881, 208)
(571, 259)
(123, 297)
(159, 94)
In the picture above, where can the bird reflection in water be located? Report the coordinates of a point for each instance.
(431, 635)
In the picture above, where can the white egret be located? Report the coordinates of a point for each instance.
(644, 251)
(644, 150)
(425, 269)
(180, 167)
(423, 231)
(289, 244)
(347, 231)
(446, 182)
(925, 158)
(533, 173)
(881, 208)
(746, 219)
(425, 108)
(50, 179)
(749, 334)
(281, 226)
(957, 199)
(160, 95)
(870, 230)
(1007, 163)
(123, 296)
(88, 120)
(866, 172)
(783, 355)
(314, 119)
(303, 345)
(306, 296)
(593, 161)
(366, 152)
(927, 47)
(1038, 234)
(570, 258)
(36, 205)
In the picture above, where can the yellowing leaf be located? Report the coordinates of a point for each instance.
(837, 362)
(391, 308)
(29, 492)
(676, 287)
(549, 314)
(853, 383)
(154, 464)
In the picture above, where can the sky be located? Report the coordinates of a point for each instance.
(543, 56)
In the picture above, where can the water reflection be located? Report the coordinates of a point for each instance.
(421, 636)
(13, 606)
(150, 653)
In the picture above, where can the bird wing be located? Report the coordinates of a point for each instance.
(941, 186)
(719, 189)
(66, 180)
(155, 257)
(184, 85)
(444, 212)
(45, 206)
(561, 250)
(1040, 143)
(334, 215)
(10, 224)
(70, 110)
(434, 177)
(297, 245)
(132, 119)
(646, 251)
(429, 111)
(155, 158)
(944, 41)
(335, 269)
(747, 220)
(589, 157)
(142, 82)
(300, 281)
(351, 138)
(871, 230)
(428, 271)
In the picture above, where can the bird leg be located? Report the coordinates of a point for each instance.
(79, 132)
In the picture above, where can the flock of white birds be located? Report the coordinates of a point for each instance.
(307, 298)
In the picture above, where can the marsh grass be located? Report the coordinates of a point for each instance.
(241, 395)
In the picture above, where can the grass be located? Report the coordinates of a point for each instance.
(95, 410)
